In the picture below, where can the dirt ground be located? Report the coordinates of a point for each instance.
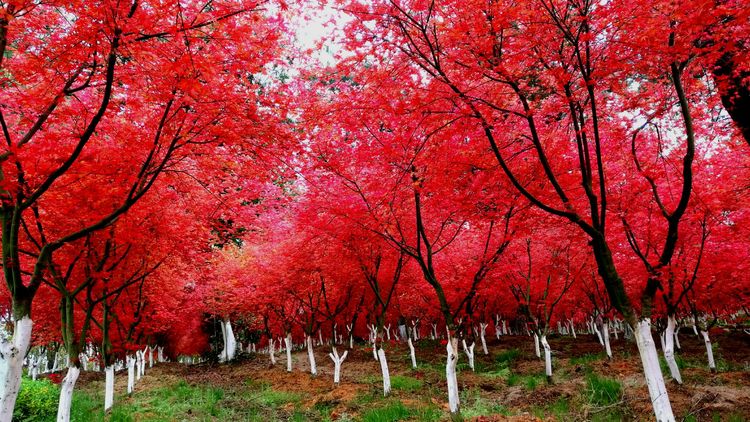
(508, 384)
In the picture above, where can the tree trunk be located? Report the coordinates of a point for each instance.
(271, 351)
(11, 366)
(469, 351)
(482, 330)
(311, 356)
(536, 346)
(288, 347)
(547, 359)
(230, 342)
(109, 387)
(66, 394)
(337, 361)
(411, 353)
(384, 370)
(669, 350)
(131, 373)
(605, 337)
(709, 351)
(450, 375)
(654, 379)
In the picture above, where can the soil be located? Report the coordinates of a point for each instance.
(703, 396)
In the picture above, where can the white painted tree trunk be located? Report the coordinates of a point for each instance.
(411, 353)
(160, 354)
(109, 387)
(695, 327)
(469, 351)
(547, 359)
(498, 328)
(450, 375)
(433, 333)
(614, 330)
(505, 329)
(272, 351)
(56, 362)
(66, 394)
(320, 337)
(384, 370)
(230, 342)
(131, 373)
(709, 351)
(652, 372)
(12, 354)
(373, 341)
(605, 336)
(388, 331)
(573, 328)
(138, 364)
(536, 346)
(598, 333)
(337, 361)
(674, 370)
(677, 338)
(150, 357)
(288, 347)
(482, 330)
(311, 356)
(415, 331)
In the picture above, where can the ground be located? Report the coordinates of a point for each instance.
(508, 385)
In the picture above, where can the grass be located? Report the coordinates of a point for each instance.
(417, 394)
(586, 359)
(395, 411)
(507, 357)
(603, 391)
(473, 405)
(405, 383)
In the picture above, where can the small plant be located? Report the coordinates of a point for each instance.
(37, 401)
(603, 391)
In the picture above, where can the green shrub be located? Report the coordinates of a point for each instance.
(37, 401)
(603, 391)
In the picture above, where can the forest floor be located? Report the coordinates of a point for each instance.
(508, 385)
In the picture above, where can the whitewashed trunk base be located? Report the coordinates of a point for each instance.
(11, 366)
(66, 394)
(450, 375)
(109, 387)
(654, 379)
(412, 354)
(384, 370)
(674, 370)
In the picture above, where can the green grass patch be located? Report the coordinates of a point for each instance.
(587, 358)
(507, 357)
(473, 405)
(269, 397)
(603, 391)
(405, 383)
(394, 411)
(497, 373)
